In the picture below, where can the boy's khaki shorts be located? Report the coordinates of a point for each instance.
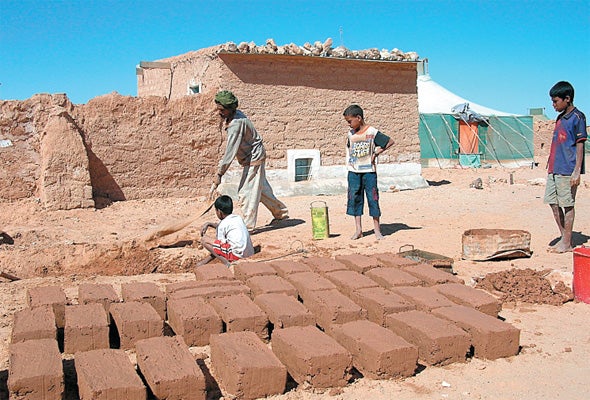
(559, 191)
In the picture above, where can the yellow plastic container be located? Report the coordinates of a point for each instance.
(320, 223)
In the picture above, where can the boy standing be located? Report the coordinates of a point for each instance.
(566, 162)
(232, 240)
(364, 143)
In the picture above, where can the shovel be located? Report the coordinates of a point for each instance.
(179, 225)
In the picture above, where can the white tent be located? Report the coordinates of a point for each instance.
(435, 99)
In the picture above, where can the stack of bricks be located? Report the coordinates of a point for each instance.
(381, 315)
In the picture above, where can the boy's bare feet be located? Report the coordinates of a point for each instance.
(357, 235)
(560, 249)
(378, 235)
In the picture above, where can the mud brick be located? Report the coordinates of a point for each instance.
(33, 323)
(391, 277)
(310, 281)
(35, 370)
(87, 328)
(98, 293)
(377, 352)
(284, 311)
(207, 292)
(135, 321)
(439, 341)
(471, 297)
(425, 298)
(213, 271)
(431, 275)
(312, 357)
(379, 302)
(358, 262)
(145, 292)
(285, 268)
(108, 374)
(245, 367)
(194, 284)
(323, 265)
(491, 338)
(349, 281)
(246, 270)
(239, 313)
(393, 260)
(169, 369)
(332, 307)
(270, 284)
(49, 295)
(194, 320)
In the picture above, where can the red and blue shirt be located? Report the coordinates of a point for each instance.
(570, 129)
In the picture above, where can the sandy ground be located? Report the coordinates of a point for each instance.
(70, 247)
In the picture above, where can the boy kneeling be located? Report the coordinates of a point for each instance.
(232, 240)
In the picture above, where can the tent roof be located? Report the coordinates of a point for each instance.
(435, 99)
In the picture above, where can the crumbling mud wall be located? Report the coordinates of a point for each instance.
(113, 148)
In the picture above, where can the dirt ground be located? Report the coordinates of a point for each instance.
(106, 246)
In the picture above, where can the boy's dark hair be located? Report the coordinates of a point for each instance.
(562, 89)
(353, 111)
(224, 204)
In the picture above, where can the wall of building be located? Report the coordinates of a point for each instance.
(296, 102)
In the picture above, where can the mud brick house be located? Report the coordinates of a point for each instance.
(296, 100)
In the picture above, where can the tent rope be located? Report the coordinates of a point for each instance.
(434, 140)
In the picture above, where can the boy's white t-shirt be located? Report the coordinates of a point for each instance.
(232, 230)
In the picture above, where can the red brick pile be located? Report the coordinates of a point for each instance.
(315, 320)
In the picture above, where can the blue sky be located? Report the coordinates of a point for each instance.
(501, 54)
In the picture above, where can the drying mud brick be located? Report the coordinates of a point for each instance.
(471, 297)
(349, 281)
(310, 281)
(245, 367)
(194, 320)
(323, 265)
(86, 328)
(49, 295)
(312, 357)
(270, 284)
(213, 271)
(33, 323)
(284, 268)
(108, 374)
(171, 288)
(377, 352)
(210, 291)
(439, 341)
(431, 275)
(391, 277)
(145, 292)
(379, 302)
(169, 369)
(239, 313)
(284, 311)
(393, 260)
(425, 298)
(358, 262)
(332, 307)
(135, 321)
(246, 270)
(491, 338)
(98, 293)
(35, 370)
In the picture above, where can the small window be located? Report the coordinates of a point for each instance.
(194, 88)
(303, 169)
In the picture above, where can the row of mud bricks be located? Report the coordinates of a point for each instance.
(316, 322)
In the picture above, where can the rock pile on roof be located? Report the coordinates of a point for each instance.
(317, 49)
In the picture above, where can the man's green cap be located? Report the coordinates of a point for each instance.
(226, 99)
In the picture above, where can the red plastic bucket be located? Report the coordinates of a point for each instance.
(581, 282)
